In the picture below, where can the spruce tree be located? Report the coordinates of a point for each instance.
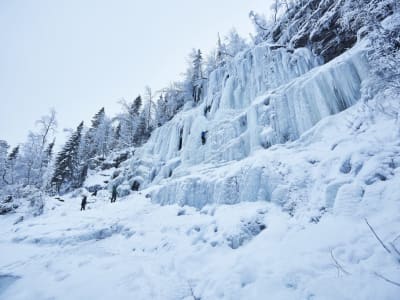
(161, 111)
(11, 161)
(98, 118)
(67, 163)
(91, 136)
(136, 105)
(197, 76)
(3, 161)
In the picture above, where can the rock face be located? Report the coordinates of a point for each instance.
(320, 26)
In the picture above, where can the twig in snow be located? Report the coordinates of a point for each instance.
(396, 238)
(338, 266)
(395, 249)
(192, 292)
(386, 279)
(377, 237)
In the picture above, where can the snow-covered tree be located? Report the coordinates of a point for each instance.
(32, 160)
(142, 132)
(262, 27)
(211, 62)
(174, 96)
(161, 115)
(234, 43)
(67, 168)
(146, 120)
(148, 108)
(221, 51)
(97, 137)
(128, 121)
(3, 161)
(197, 76)
(11, 162)
(193, 82)
(47, 128)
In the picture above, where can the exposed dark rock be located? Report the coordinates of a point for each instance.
(317, 24)
(346, 167)
(135, 186)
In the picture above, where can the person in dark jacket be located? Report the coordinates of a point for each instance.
(114, 194)
(84, 202)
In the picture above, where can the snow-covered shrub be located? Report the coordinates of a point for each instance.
(36, 203)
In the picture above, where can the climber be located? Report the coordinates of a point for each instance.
(83, 203)
(207, 110)
(203, 137)
(114, 194)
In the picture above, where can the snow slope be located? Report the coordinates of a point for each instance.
(343, 170)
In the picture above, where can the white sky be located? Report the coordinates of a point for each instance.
(79, 55)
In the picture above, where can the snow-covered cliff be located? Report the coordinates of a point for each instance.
(263, 97)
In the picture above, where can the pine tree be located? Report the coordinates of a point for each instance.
(91, 137)
(49, 151)
(221, 51)
(98, 118)
(11, 161)
(197, 76)
(136, 105)
(116, 137)
(3, 161)
(148, 109)
(161, 111)
(67, 163)
(142, 132)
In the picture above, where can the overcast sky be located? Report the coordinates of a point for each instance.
(79, 55)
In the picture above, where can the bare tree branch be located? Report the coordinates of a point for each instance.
(338, 266)
(396, 238)
(377, 237)
(386, 279)
(395, 249)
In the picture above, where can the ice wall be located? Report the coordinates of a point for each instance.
(261, 98)
(230, 91)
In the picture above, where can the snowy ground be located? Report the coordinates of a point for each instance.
(322, 249)
(136, 250)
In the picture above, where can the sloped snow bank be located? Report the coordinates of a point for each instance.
(242, 251)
